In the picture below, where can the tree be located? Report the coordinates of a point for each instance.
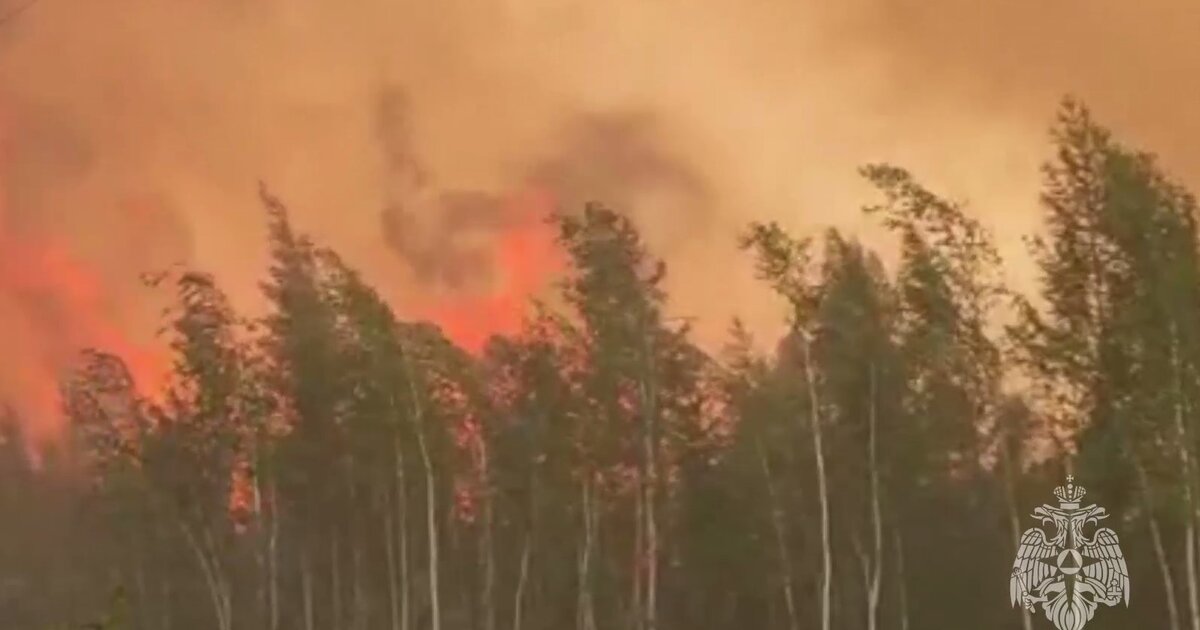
(639, 372)
(182, 454)
(1114, 342)
(863, 375)
(301, 348)
(784, 263)
(948, 290)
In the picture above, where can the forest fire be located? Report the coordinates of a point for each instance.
(620, 458)
(525, 259)
(53, 308)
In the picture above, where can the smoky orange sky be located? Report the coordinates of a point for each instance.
(412, 137)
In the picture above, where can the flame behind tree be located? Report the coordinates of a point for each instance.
(52, 306)
(524, 260)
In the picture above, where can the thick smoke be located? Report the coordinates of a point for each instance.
(444, 235)
(412, 136)
(447, 236)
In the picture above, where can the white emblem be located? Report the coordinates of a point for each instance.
(1069, 574)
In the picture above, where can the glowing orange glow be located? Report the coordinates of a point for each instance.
(52, 306)
(67, 304)
(526, 258)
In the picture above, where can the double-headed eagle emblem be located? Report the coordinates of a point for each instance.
(1069, 574)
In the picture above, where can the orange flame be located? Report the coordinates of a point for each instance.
(526, 257)
(65, 303)
(53, 306)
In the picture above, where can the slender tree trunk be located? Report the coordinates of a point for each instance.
(489, 551)
(876, 513)
(902, 578)
(359, 612)
(1193, 499)
(1190, 548)
(356, 518)
(1184, 453)
(777, 524)
(306, 588)
(225, 588)
(210, 575)
(822, 485)
(273, 554)
(649, 555)
(533, 527)
(397, 533)
(1014, 520)
(389, 551)
(1156, 540)
(260, 538)
(586, 616)
(522, 580)
(637, 612)
(402, 517)
(652, 551)
(209, 579)
(435, 600)
(864, 567)
(1194, 476)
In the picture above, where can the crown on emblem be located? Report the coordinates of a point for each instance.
(1069, 496)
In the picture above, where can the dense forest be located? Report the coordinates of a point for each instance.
(332, 467)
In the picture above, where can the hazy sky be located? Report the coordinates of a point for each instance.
(409, 135)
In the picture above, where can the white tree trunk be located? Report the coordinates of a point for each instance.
(209, 571)
(389, 552)
(1184, 449)
(401, 531)
(435, 600)
(822, 485)
(636, 608)
(489, 551)
(1014, 520)
(273, 555)
(647, 555)
(585, 615)
(522, 580)
(652, 552)
(777, 524)
(1156, 540)
(876, 512)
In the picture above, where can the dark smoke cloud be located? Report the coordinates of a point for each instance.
(626, 161)
(449, 244)
(445, 236)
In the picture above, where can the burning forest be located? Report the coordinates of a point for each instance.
(560, 452)
(585, 316)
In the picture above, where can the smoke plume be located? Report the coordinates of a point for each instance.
(423, 140)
